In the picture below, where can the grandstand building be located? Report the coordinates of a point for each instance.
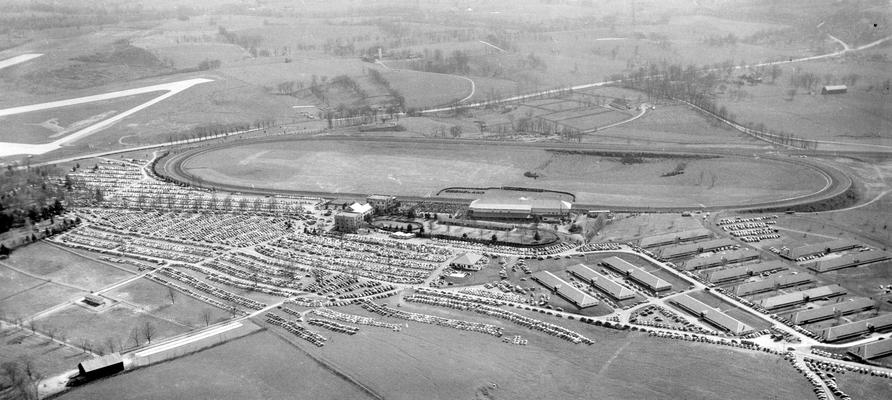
(674, 238)
(715, 260)
(711, 315)
(773, 283)
(603, 283)
(832, 310)
(566, 290)
(519, 208)
(745, 271)
(801, 297)
(636, 274)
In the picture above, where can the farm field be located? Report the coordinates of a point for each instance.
(424, 89)
(255, 367)
(154, 298)
(421, 169)
(59, 265)
(859, 116)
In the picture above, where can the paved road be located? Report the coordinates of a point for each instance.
(172, 88)
(18, 60)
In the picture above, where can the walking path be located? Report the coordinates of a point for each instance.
(18, 60)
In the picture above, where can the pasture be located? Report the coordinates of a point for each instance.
(48, 357)
(38, 298)
(423, 168)
(619, 365)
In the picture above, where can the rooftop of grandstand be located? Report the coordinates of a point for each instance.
(871, 350)
(826, 247)
(566, 290)
(669, 238)
(830, 310)
(849, 260)
(602, 282)
(856, 328)
(710, 314)
(745, 270)
(720, 258)
(790, 299)
(772, 282)
(641, 276)
(694, 248)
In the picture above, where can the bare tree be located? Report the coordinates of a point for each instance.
(206, 316)
(134, 334)
(148, 331)
(110, 344)
(172, 294)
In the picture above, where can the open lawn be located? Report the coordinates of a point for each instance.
(628, 227)
(114, 323)
(861, 386)
(58, 265)
(422, 168)
(39, 298)
(12, 282)
(261, 366)
(441, 363)
(154, 298)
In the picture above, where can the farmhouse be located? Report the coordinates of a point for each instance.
(773, 283)
(636, 274)
(849, 260)
(467, 261)
(857, 328)
(674, 238)
(801, 297)
(871, 350)
(735, 273)
(347, 222)
(567, 291)
(711, 315)
(605, 284)
(820, 248)
(831, 310)
(101, 366)
(715, 260)
(834, 89)
(696, 248)
(520, 208)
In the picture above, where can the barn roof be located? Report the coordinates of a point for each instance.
(100, 362)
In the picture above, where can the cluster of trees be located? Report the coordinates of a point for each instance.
(208, 64)
(29, 196)
(398, 99)
(19, 379)
(719, 41)
(346, 82)
(248, 42)
(454, 131)
(455, 63)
